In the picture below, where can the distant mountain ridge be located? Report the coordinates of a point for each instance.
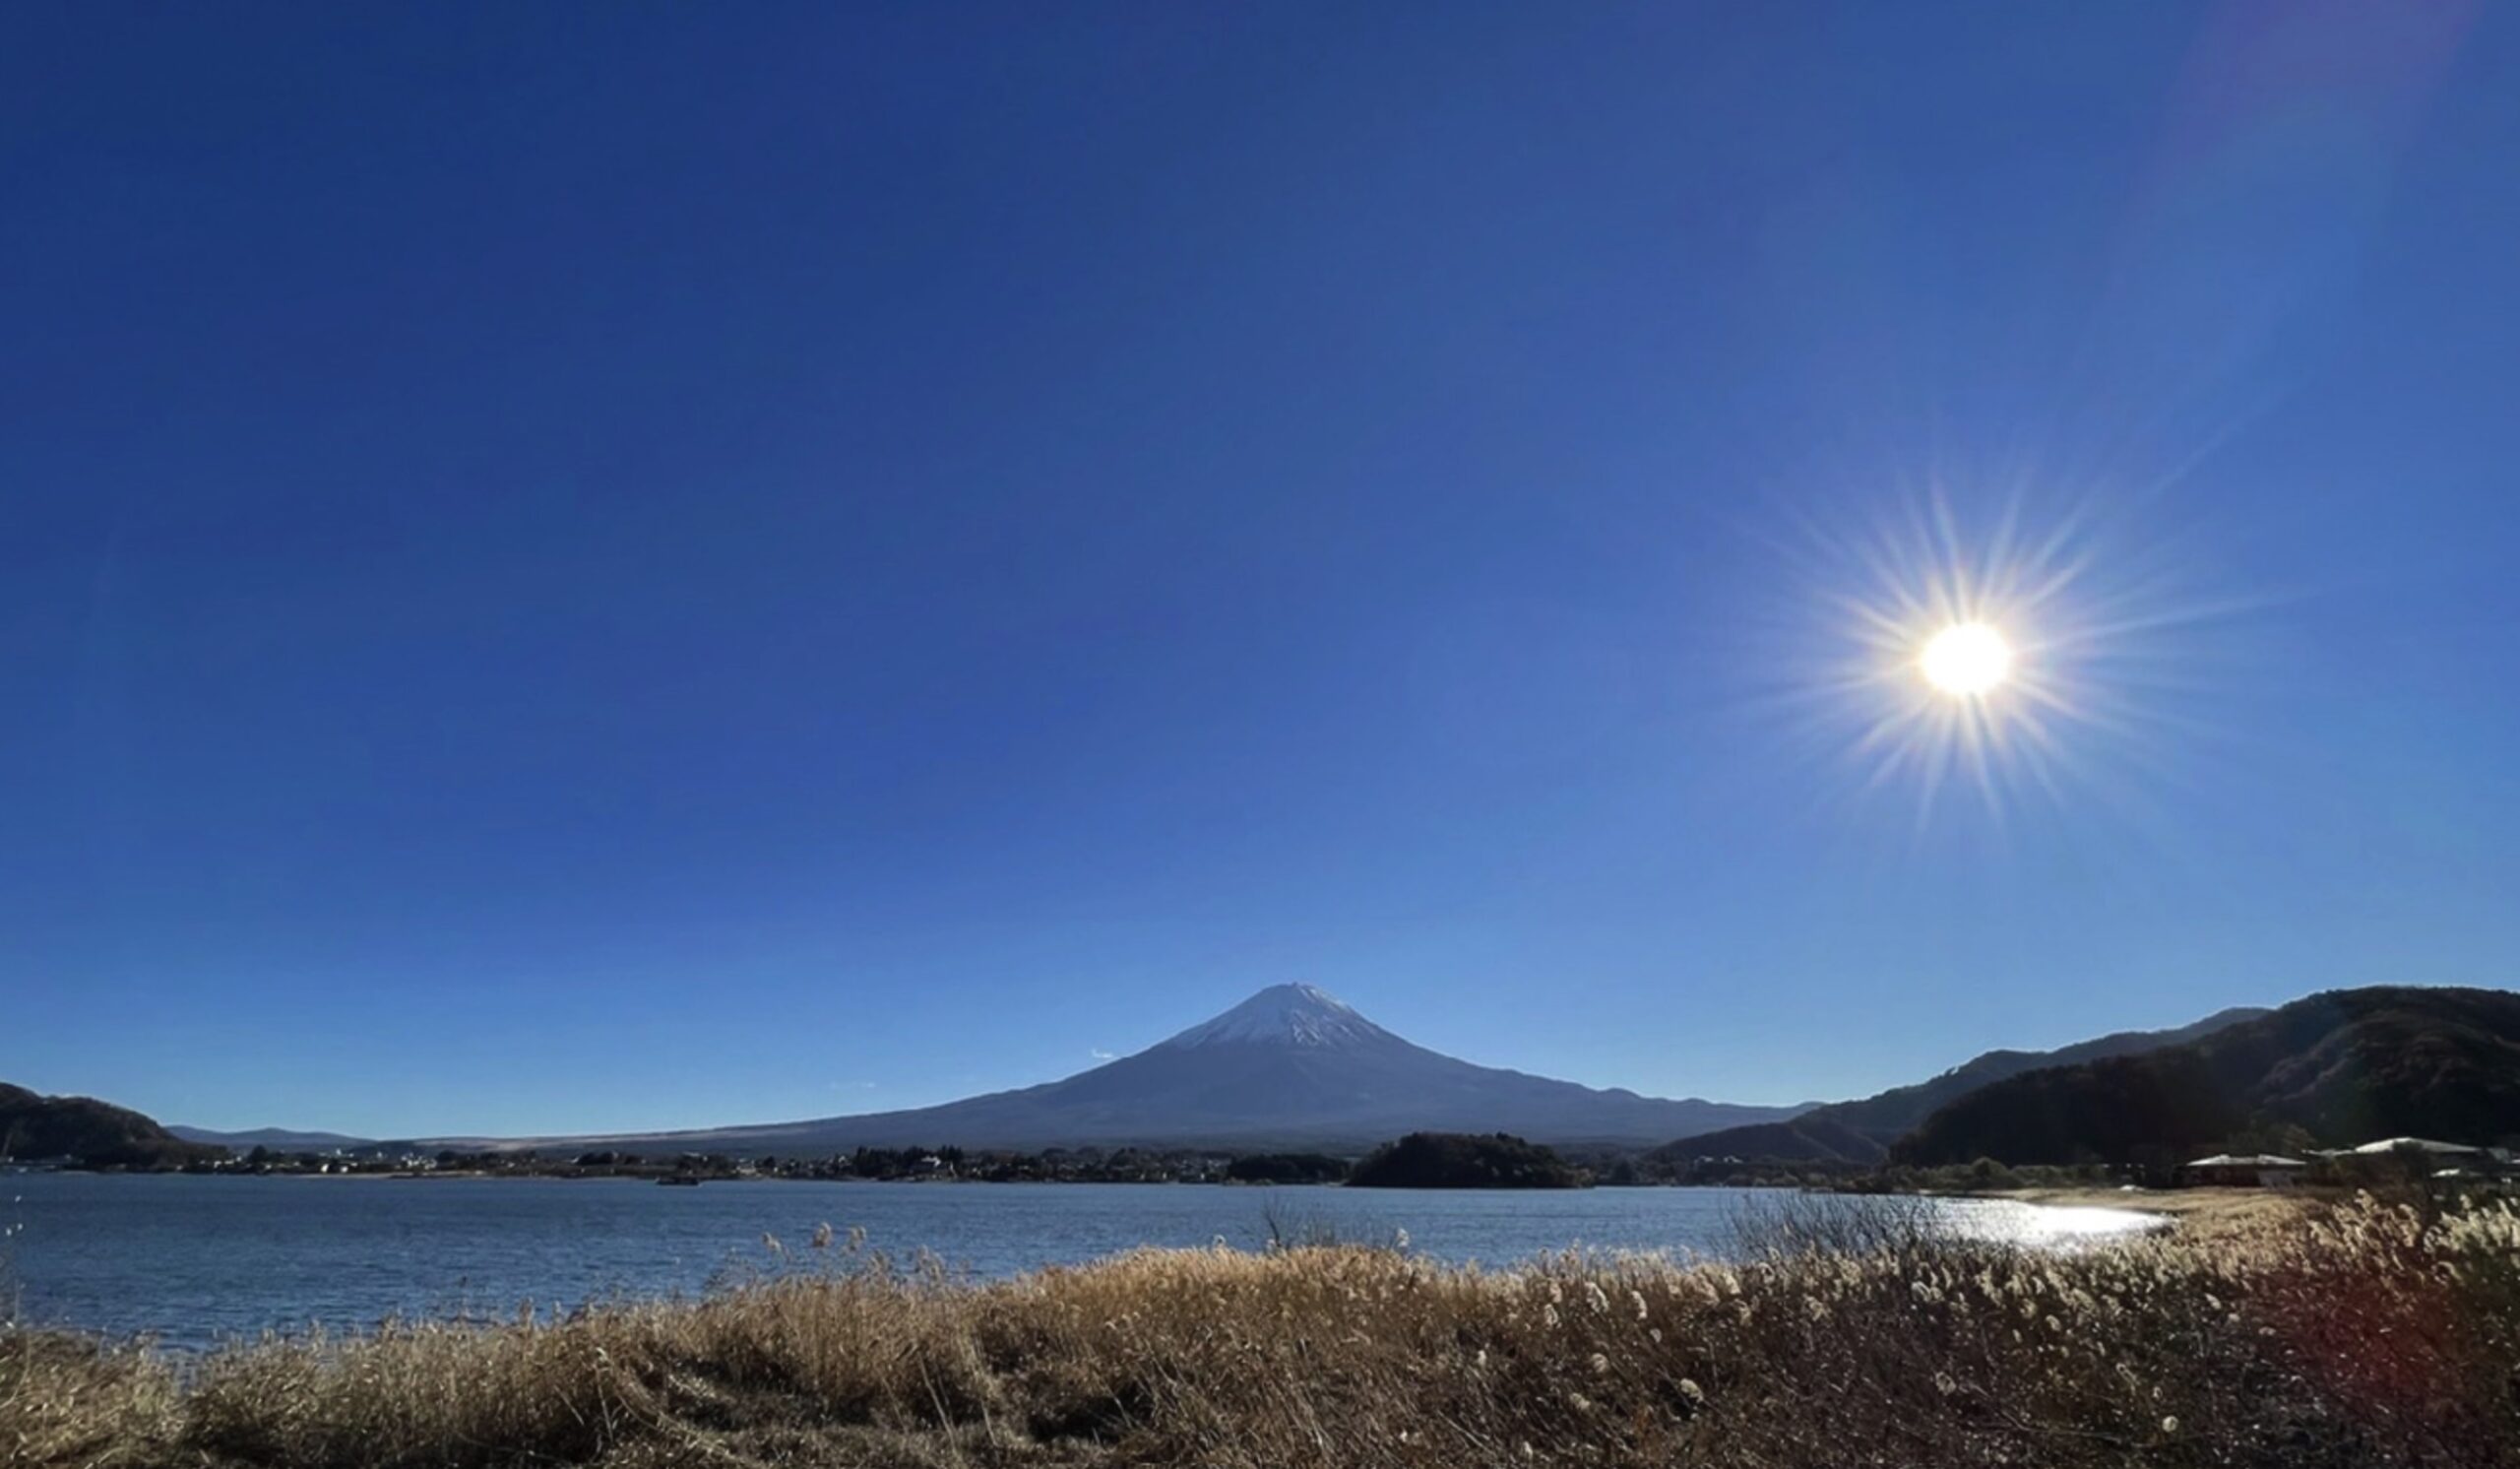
(2347, 1066)
(1294, 1068)
(277, 1139)
(1291, 1067)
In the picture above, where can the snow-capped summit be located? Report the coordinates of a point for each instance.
(1286, 1016)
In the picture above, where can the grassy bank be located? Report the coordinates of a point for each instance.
(2371, 1335)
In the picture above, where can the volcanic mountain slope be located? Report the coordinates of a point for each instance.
(1289, 1067)
(2347, 1066)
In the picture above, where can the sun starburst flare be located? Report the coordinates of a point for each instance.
(2014, 663)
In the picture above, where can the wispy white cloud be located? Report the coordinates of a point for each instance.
(1101, 1054)
(852, 1086)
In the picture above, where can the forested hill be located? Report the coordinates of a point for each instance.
(1862, 1130)
(86, 1131)
(1889, 1115)
(1453, 1159)
(2347, 1066)
(1810, 1139)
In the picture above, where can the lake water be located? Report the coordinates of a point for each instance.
(193, 1259)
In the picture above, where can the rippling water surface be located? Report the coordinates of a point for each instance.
(194, 1259)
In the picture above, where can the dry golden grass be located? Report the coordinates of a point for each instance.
(2373, 1335)
(66, 1402)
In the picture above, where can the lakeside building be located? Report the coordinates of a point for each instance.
(2245, 1171)
(2425, 1145)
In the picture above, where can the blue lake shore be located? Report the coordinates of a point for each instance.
(193, 1261)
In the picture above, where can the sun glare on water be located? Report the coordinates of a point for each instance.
(1966, 659)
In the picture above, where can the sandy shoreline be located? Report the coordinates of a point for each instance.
(2195, 1211)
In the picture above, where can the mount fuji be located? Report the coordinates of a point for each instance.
(1289, 1067)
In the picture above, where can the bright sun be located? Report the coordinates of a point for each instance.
(1966, 658)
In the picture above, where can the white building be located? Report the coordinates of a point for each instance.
(2246, 1169)
(2424, 1145)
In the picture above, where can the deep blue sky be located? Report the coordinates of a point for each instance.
(587, 566)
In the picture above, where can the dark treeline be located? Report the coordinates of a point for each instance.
(1287, 1168)
(1423, 1160)
(888, 1165)
(1455, 1159)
